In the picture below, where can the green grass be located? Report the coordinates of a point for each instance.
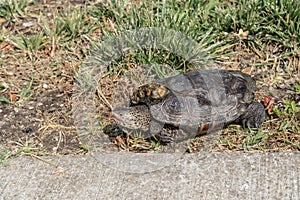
(12, 9)
(290, 114)
(5, 154)
(254, 140)
(297, 88)
(215, 25)
(68, 26)
(27, 91)
(275, 20)
(184, 34)
(30, 44)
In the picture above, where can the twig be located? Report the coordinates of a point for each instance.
(59, 169)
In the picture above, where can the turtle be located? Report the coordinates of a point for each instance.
(183, 106)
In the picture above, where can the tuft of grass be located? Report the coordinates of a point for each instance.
(290, 109)
(229, 143)
(2, 86)
(67, 27)
(138, 144)
(30, 44)
(11, 9)
(27, 91)
(215, 25)
(254, 140)
(4, 100)
(290, 116)
(6, 154)
(297, 88)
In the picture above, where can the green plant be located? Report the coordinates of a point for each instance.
(228, 143)
(31, 44)
(4, 155)
(10, 9)
(297, 88)
(290, 109)
(4, 100)
(254, 140)
(27, 92)
(290, 114)
(2, 86)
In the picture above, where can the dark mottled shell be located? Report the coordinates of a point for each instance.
(193, 102)
(203, 97)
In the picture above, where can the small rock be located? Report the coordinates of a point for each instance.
(45, 86)
(31, 102)
(52, 109)
(10, 73)
(27, 130)
(28, 24)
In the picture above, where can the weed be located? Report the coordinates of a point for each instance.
(2, 86)
(290, 109)
(297, 88)
(10, 9)
(228, 143)
(27, 91)
(4, 100)
(4, 155)
(254, 139)
(67, 26)
(30, 44)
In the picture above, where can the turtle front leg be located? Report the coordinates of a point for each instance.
(254, 116)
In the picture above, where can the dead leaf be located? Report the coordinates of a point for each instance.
(13, 97)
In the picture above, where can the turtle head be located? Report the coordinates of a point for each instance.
(133, 118)
(244, 86)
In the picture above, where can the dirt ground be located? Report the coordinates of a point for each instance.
(36, 97)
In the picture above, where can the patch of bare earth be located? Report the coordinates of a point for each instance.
(38, 86)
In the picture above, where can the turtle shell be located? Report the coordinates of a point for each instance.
(205, 98)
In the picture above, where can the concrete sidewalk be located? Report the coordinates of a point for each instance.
(123, 176)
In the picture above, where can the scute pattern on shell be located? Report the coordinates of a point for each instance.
(195, 98)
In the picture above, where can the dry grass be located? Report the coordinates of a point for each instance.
(43, 46)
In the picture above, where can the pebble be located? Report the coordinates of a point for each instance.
(52, 109)
(28, 24)
(10, 73)
(45, 86)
